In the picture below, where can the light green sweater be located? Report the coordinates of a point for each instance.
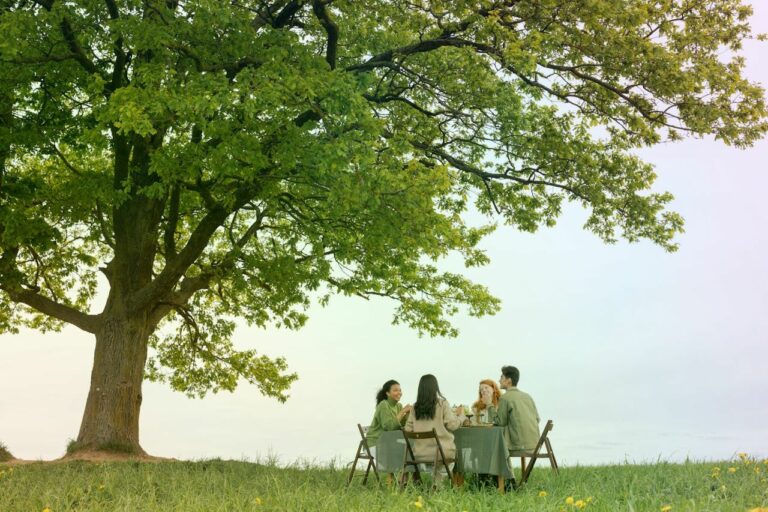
(384, 419)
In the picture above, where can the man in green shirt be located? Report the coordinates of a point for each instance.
(517, 413)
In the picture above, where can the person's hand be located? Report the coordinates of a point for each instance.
(406, 410)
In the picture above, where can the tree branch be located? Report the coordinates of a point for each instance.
(71, 39)
(489, 176)
(171, 224)
(88, 323)
(319, 8)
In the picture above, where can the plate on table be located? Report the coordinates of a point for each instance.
(481, 425)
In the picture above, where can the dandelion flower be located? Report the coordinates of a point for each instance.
(758, 509)
(569, 500)
(46, 509)
(666, 508)
(580, 504)
(257, 501)
(742, 455)
(731, 470)
(542, 494)
(418, 504)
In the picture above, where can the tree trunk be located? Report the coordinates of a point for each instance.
(111, 417)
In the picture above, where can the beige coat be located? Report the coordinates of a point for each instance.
(444, 422)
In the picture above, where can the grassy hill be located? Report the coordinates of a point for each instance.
(740, 485)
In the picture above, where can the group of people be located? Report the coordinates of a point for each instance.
(514, 410)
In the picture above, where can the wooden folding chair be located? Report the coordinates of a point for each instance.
(410, 459)
(536, 454)
(363, 453)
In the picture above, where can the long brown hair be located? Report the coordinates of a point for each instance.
(427, 397)
(480, 405)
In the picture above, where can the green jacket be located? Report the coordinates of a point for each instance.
(517, 412)
(385, 419)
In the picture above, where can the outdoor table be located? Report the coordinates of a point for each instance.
(478, 450)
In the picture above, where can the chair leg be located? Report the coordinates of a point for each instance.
(354, 466)
(375, 471)
(367, 470)
(528, 470)
(552, 460)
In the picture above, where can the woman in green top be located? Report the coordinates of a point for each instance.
(390, 413)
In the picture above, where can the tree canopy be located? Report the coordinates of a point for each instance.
(223, 160)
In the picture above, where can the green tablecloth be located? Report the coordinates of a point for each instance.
(478, 450)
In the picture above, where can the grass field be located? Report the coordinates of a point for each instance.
(740, 485)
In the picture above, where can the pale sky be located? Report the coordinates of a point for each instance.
(634, 353)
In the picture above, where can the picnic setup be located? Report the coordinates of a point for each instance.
(456, 443)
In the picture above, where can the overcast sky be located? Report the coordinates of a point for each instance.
(635, 353)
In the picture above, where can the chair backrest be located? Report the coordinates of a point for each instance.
(421, 435)
(543, 437)
(410, 459)
(364, 449)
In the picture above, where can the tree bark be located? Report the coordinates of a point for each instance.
(111, 417)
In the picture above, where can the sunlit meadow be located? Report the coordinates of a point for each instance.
(739, 485)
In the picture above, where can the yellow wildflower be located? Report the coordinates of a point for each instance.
(580, 504)
(257, 501)
(759, 509)
(419, 503)
(666, 508)
(542, 494)
(569, 500)
(46, 509)
(742, 455)
(731, 470)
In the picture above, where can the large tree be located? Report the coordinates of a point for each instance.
(220, 160)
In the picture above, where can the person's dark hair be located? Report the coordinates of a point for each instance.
(511, 372)
(381, 394)
(426, 398)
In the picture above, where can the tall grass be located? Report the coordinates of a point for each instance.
(216, 485)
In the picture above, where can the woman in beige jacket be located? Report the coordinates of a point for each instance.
(431, 410)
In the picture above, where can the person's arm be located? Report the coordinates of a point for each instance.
(402, 416)
(389, 420)
(450, 420)
(409, 421)
(500, 415)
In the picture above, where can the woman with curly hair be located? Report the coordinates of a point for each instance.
(390, 413)
(488, 396)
